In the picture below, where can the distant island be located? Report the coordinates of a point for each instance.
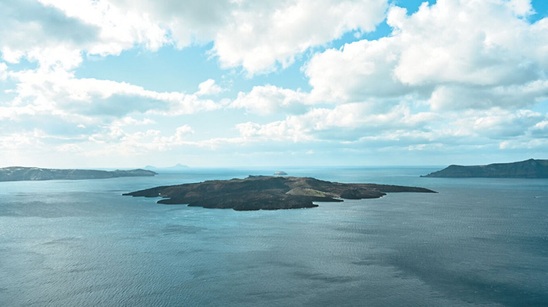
(267, 192)
(524, 169)
(18, 173)
(175, 168)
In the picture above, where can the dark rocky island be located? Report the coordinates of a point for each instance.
(267, 192)
(17, 173)
(524, 169)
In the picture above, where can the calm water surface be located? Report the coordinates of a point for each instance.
(478, 242)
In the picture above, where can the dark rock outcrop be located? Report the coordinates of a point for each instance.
(267, 192)
(17, 173)
(524, 169)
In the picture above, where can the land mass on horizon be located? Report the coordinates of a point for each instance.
(19, 173)
(523, 169)
(173, 168)
(267, 192)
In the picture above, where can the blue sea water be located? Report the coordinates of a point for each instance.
(478, 242)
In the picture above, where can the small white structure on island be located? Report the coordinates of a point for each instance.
(280, 173)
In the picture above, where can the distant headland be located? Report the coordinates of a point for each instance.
(523, 169)
(18, 173)
(268, 192)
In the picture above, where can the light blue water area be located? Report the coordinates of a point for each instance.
(478, 242)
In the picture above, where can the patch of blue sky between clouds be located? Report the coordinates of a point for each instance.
(541, 10)
(164, 70)
(182, 70)
(412, 6)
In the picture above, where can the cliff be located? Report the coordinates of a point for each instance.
(17, 173)
(267, 192)
(524, 169)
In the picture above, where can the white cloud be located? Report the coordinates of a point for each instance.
(60, 92)
(24, 140)
(208, 87)
(359, 71)
(56, 33)
(86, 114)
(467, 42)
(290, 129)
(180, 137)
(497, 123)
(524, 143)
(402, 126)
(257, 37)
(69, 148)
(119, 28)
(456, 74)
(3, 71)
(42, 34)
(520, 7)
(346, 122)
(117, 139)
(269, 99)
(446, 97)
(462, 53)
(186, 22)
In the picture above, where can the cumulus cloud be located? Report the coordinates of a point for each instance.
(257, 36)
(269, 99)
(74, 112)
(3, 71)
(401, 126)
(445, 97)
(346, 122)
(459, 41)
(42, 34)
(359, 71)
(458, 73)
(117, 136)
(186, 22)
(60, 91)
(460, 53)
(208, 87)
(118, 28)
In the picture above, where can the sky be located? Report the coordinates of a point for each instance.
(235, 83)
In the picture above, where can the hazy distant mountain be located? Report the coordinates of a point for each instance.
(18, 173)
(524, 169)
(177, 167)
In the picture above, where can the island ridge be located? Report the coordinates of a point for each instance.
(524, 169)
(268, 192)
(18, 173)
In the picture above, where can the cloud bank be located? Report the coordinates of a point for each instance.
(454, 76)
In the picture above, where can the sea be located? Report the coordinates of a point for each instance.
(477, 242)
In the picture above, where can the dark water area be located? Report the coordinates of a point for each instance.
(478, 242)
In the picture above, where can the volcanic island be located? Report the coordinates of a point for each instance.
(268, 192)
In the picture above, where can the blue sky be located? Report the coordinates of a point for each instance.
(234, 83)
